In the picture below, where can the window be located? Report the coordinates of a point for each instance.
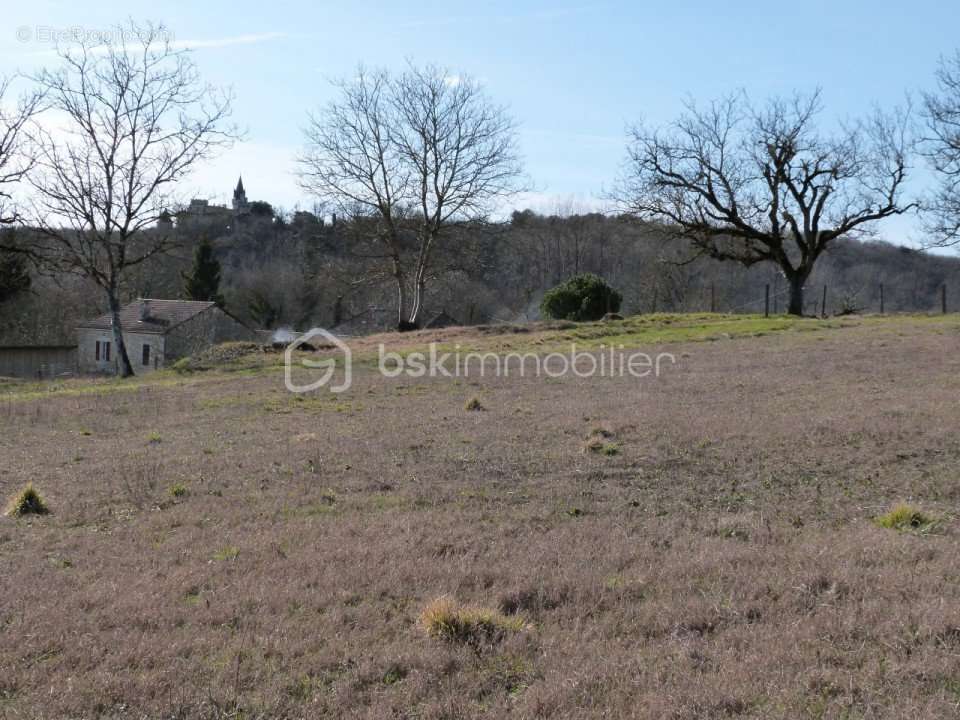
(146, 356)
(102, 352)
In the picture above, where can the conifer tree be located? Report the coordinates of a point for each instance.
(203, 280)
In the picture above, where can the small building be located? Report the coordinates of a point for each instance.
(156, 333)
(39, 362)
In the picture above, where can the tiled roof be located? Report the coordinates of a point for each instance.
(161, 315)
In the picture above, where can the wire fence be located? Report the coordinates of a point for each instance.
(824, 301)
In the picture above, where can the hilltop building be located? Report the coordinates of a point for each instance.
(203, 211)
(240, 204)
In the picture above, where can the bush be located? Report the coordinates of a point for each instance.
(445, 619)
(27, 502)
(581, 298)
(906, 517)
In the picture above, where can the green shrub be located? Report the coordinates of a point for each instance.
(178, 490)
(905, 517)
(27, 502)
(581, 298)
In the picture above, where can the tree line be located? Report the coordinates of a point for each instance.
(417, 165)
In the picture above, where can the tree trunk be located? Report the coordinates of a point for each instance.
(123, 360)
(417, 305)
(402, 300)
(420, 277)
(796, 295)
(338, 311)
(402, 324)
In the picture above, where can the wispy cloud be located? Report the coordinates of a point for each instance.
(176, 44)
(251, 39)
(505, 18)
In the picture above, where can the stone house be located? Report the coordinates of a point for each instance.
(156, 333)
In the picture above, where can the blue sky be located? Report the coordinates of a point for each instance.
(573, 73)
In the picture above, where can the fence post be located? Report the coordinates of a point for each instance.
(943, 298)
(713, 297)
(823, 305)
(881, 299)
(766, 302)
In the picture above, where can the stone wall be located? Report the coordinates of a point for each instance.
(88, 364)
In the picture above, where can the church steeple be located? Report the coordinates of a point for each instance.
(240, 197)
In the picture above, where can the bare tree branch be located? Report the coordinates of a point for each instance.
(942, 147)
(15, 161)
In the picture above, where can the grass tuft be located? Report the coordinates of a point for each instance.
(178, 490)
(27, 502)
(474, 404)
(446, 619)
(394, 674)
(228, 552)
(904, 517)
(602, 441)
(598, 445)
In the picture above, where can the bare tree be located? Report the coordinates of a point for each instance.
(128, 121)
(14, 161)
(757, 185)
(14, 164)
(421, 153)
(352, 163)
(462, 156)
(942, 111)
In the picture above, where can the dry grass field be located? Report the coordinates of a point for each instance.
(699, 545)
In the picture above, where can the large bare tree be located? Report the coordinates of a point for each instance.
(125, 122)
(762, 184)
(14, 164)
(420, 153)
(352, 163)
(942, 111)
(14, 160)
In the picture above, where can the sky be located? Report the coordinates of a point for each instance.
(573, 73)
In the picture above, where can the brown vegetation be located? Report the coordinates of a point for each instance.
(725, 563)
